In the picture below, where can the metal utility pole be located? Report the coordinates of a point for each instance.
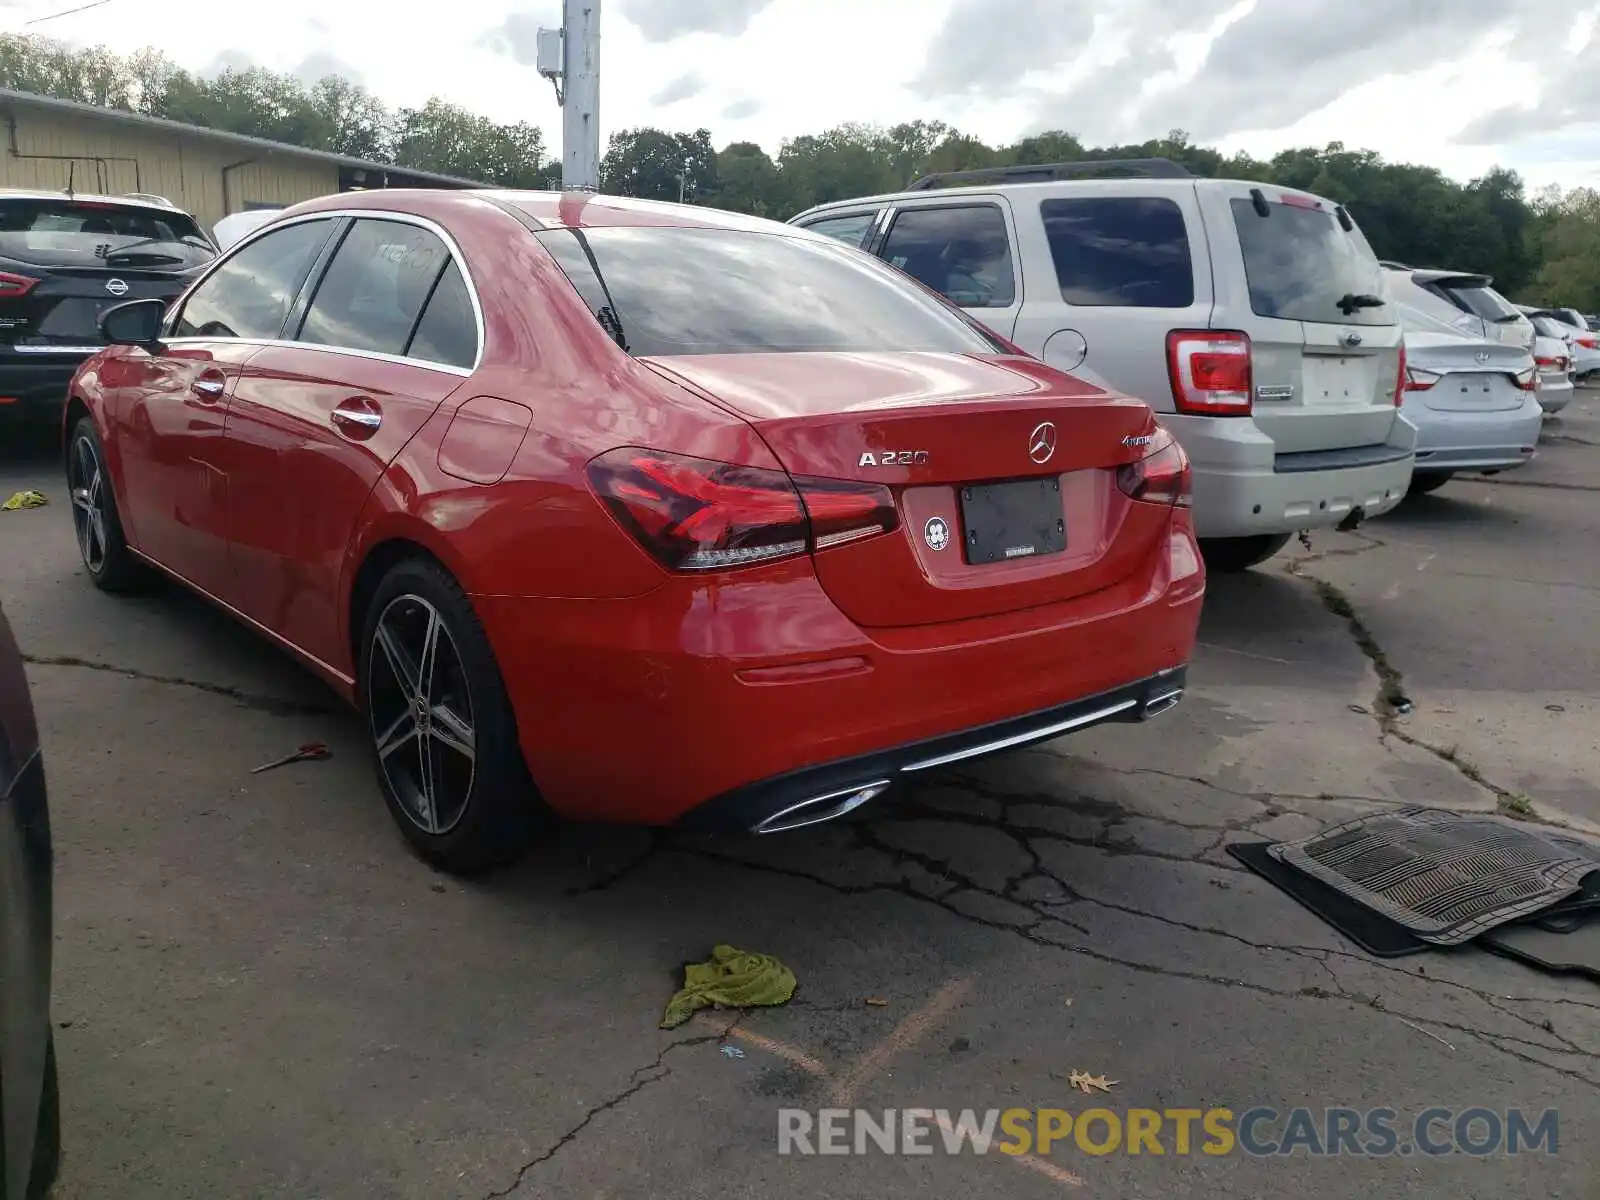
(580, 130)
(570, 58)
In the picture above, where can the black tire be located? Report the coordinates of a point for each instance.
(47, 1135)
(101, 544)
(1229, 556)
(472, 812)
(1421, 485)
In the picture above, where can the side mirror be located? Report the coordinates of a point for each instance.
(134, 323)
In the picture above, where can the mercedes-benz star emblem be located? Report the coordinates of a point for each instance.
(936, 533)
(116, 287)
(1042, 442)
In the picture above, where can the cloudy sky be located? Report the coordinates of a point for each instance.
(1461, 84)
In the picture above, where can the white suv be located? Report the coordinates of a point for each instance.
(1252, 317)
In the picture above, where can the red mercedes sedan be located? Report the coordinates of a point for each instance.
(635, 512)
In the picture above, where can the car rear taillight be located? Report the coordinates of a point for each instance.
(1160, 477)
(1404, 381)
(1418, 380)
(1588, 343)
(1210, 372)
(1553, 362)
(1527, 380)
(16, 285)
(694, 514)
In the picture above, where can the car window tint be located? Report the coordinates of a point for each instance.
(717, 291)
(963, 253)
(95, 233)
(1129, 252)
(850, 230)
(448, 331)
(375, 287)
(1482, 302)
(249, 295)
(1300, 262)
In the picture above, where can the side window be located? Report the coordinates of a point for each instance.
(850, 230)
(375, 287)
(1120, 251)
(963, 252)
(448, 331)
(249, 295)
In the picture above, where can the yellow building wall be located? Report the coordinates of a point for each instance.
(202, 177)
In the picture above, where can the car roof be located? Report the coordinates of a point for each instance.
(1154, 186)
(151, 204)
(552, 210)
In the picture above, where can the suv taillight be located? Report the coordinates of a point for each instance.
(1160, 477)
(1407, 379)
(1210, 372)
(694, 514)
(1527, 380)
(16, 285)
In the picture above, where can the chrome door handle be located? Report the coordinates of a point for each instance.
(210, 387)
(360, 418)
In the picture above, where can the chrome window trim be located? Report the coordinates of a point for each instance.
(380, 214)
(426, 364)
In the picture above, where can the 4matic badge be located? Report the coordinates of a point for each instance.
(936, 533)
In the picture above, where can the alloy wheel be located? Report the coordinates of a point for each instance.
(419, 705)
(87, 483)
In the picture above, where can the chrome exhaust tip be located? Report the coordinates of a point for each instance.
(821, 808)
(1157, 705)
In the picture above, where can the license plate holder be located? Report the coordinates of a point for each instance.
(1021, 518)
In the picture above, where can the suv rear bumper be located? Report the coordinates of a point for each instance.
(1242, 487)
(35, 386)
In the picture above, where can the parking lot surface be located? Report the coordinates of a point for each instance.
(258, 991)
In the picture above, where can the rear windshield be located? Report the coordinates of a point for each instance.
(69, 233)
(1301, 263)
(1483, 302)
(666, 291)
(1550, 327)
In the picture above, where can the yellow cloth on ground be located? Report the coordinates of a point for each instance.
(732, 978)
(24, 500)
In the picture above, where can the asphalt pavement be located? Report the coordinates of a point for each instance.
(259, 992)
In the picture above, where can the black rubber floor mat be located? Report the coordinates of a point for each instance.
(1447, 877)
(1373, 932)
(1577, 952)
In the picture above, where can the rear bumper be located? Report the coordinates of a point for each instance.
(35, 386)
(1554, 397)
(1244, 488)
(740, 693)
(1475, 441)
(820, 793)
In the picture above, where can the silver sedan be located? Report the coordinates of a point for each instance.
(1475, 403)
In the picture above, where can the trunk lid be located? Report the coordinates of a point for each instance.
(937, 430)
(1473, 376)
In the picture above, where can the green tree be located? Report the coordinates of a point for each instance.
(447, 139)
(747, 180)
(1569, 241)
(653, 164)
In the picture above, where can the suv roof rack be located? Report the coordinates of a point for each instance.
(1145, 168)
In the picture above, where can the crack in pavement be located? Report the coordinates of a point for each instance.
(1391, 694)
(643, 1077)
(275, 705)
